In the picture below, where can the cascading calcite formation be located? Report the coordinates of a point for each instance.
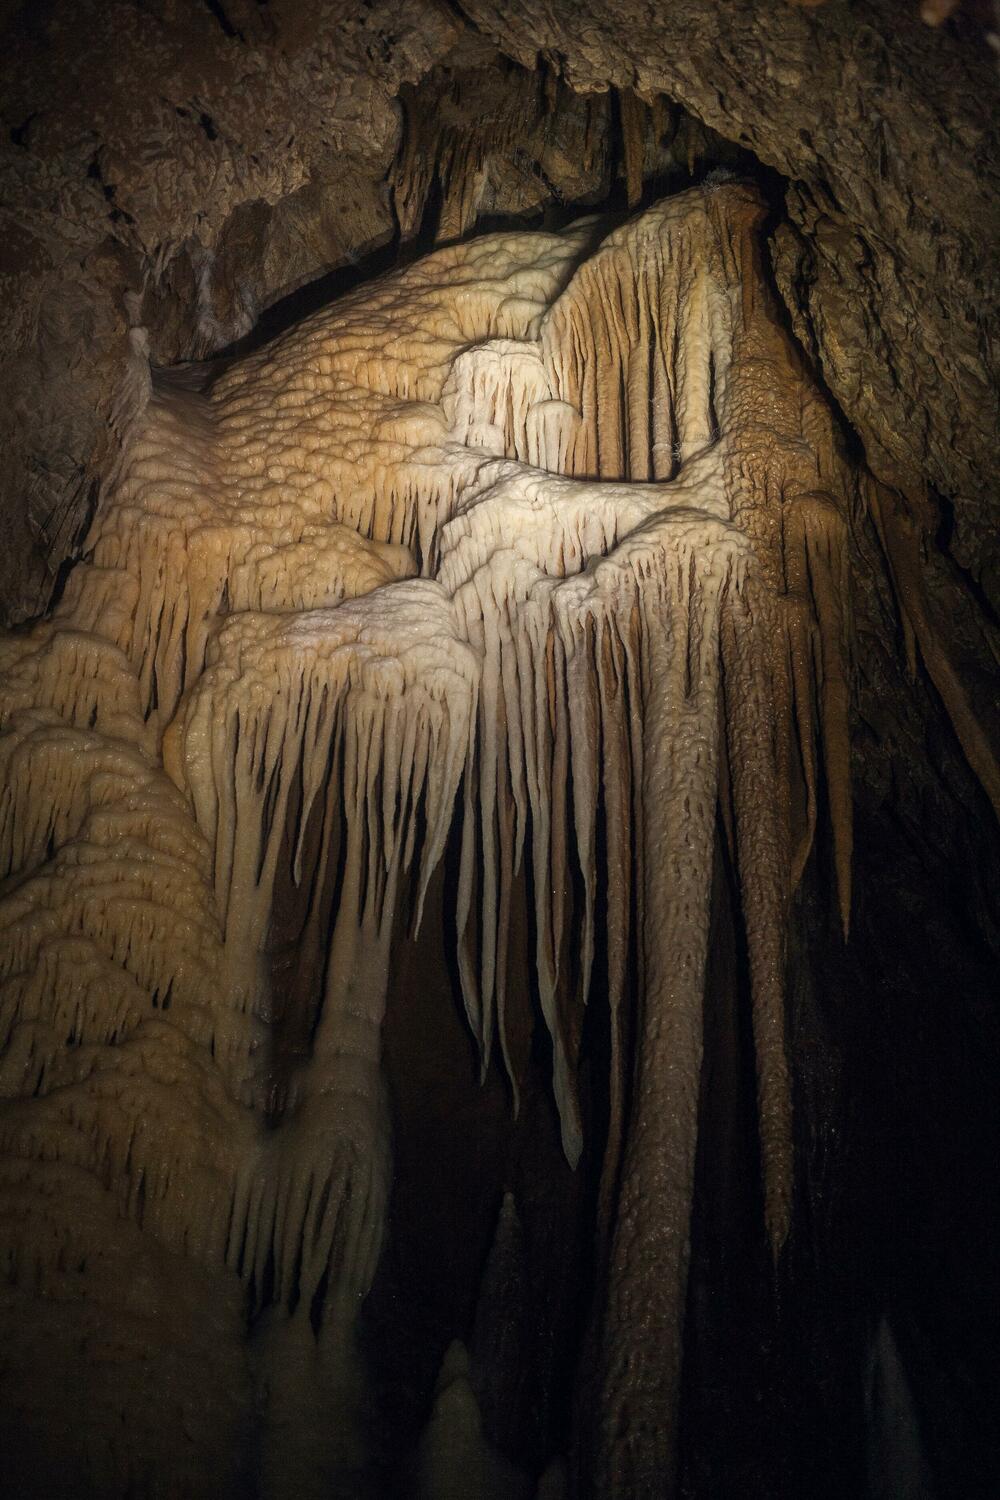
(539, 545)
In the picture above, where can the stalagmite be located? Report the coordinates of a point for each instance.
(501, 1336)
(455, 1459)
(537, 549)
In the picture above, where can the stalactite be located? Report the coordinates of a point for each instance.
(684, 582)
(385, 692)
(633, 143)
(901, 544)
(550, 551)
(815, 551)
(762, 863)
(482, 138)
(455, 1458)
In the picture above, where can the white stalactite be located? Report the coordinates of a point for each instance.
(504, 537)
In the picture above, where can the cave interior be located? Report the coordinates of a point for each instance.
(499, 942)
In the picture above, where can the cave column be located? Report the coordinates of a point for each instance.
(647, 1275)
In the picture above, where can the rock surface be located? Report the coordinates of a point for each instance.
(236, 151)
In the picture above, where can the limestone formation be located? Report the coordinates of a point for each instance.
(497, 527)
(595, 616)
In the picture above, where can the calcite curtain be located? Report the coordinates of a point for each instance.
(539, 546)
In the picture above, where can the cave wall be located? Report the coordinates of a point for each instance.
(171, 170)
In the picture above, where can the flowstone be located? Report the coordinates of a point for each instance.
(538, 541)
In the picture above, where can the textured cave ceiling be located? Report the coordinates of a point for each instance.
(178, 168)
(179, 184)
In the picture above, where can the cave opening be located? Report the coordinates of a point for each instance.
(498, 731)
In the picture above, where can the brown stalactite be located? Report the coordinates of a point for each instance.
(901, 542)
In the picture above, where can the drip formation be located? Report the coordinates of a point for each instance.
(535, 546)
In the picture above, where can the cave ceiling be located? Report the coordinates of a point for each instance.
(303, 305)
(170, 170)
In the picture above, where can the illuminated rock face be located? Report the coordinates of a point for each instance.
(539, 544)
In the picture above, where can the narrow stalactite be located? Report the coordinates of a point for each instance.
(900, 538)
(678, 672)
(543, 548)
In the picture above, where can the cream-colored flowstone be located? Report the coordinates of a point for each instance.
(542, 540)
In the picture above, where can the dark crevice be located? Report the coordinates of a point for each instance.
(962, 575)
(714, 155)
(109, 189)
(19, 133)
(287, 311)
(227, 27)
(455, 8)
